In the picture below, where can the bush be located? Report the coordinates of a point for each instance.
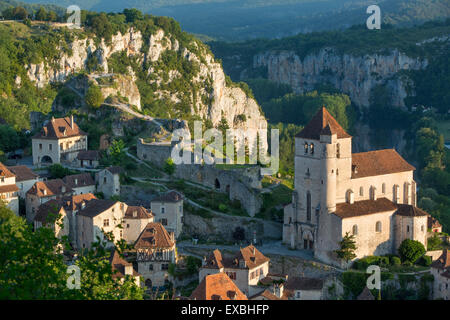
(94, 97)
(395, 261)
(169, 166)
(425, 261)
(223, 207)
(411, 250)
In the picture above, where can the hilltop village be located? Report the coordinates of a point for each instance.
(339, 197)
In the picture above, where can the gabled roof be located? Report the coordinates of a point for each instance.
(134, 212)
(364, 207)
(252, 256)
(88, 155)
(23, 173)
(171, 196)
(51, 187)
(322, 123)
(5, 172)
(115, 170)
(48, 210)
(214, 261)
(118, 265)
(154, 235)
(408, 210)
(443, 261)
(79, 180)
(365, 295)
(95, 207)
(217, 287)
(377, 163)
(9, 188)
(60, 128)
(267, 294)
(72, 203)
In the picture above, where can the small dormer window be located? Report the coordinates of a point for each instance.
(312, 148)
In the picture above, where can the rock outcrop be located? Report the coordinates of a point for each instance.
(213, 99)
(353, 75)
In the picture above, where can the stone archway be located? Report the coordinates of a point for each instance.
(46, 160)
(308, 240)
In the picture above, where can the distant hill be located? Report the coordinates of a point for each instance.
(30, 7)
(233, 20)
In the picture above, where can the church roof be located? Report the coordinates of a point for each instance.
(322, 123)
(377, 163)
(364, 207)
(408, 210)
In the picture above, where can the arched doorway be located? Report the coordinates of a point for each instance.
(308, 241)
(46, 160)
(217, 184)
(148, 284)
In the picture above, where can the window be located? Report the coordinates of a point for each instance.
(361, 191)
(128, 225)
(104, 180)
(378, 226)
(165, 266)
(422, 228)
(106, 222)
(306, 147)
(298, 294)
(383, 188)
(163, 210)
(232, 275)
(164, 222)
(312, 148)
(355, 230)
(407, 229)
(40, 146)
(308, 206)
(50, 147)
(338, 150)
(150, 267)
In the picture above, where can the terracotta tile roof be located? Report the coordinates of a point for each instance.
(297, 283)
(72, 203)
(365, 295)
(23, 173)
(59, 128)
(9, 188)
(115, 170)
(171, 196)
(408, 210)
(217, 287)
(364, 207)
(79, 180)
(154, 235)
(50, 210)
(379, 162)
(4, 171)
(95, 207)
(54, 187)
(214, 261)
(118, 265)
(443, 261)
(433, 223)
(322, 123)
(88, 155)
(252, 256)
(138, 213)
(268, 295)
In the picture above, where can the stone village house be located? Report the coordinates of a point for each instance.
(155, 250)
(9, 189)
(440, 269)
(80, 183)
(108, 181)
(168, 209)
(122, 268)
(60, 140)
(25, 179)
(372, 195)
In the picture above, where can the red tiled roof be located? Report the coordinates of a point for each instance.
(79, 180)
(267, 294)
(138, 213)
(118, 265)
(23, 173)
(214, 261)
(9, 188)
(95, 207)
(364, 207)
(52, 187)
(252, 257)
(73, 203)
(322, 123)
(217, 287)
(4, 172)
(52, 208)
(59, 128)
(379, 162)
(408, 210)
(154, 235)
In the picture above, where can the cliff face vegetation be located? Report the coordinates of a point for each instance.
(145, 62)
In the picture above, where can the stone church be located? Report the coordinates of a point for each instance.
(371, 195)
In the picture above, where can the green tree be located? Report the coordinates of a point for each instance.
(411, 250)
(57, 171)
(94, 97)
(19, 13)
(132, 15)
(347, 248)
(169, 166)
(117, 151)
(41, 14)
(10, 140)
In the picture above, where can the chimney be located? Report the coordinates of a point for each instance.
(135, 213)
(76, 181)
(254, 250)
(172, 236)
(45, 192)
(278, 290)
(83, 205)
(53, 119)
(71, 121)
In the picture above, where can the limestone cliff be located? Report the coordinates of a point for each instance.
(353, 75)
(207, 94)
